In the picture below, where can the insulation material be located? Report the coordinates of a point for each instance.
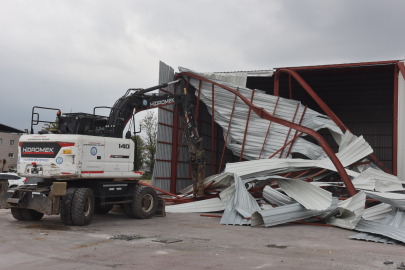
(350, 211)
(372, 179)
(310, 196)
(286, 213)
(287, 109)
(377, 212)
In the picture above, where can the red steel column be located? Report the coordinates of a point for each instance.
(395, 132)
(174, 148)
(268, 129)
(401, 67)
(198, 101)
(288, 134)
(246, 128)
(295, 134)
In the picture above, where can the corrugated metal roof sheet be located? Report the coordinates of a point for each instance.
(310, 196)
(377, 212)
(350, 211)
(257, 128)
(273, 196)
(287, 213)
(242, 205)
(394, 199)
(374, 238)
(393, 226)
(372, 179)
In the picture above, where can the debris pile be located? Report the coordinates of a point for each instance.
(269, 192)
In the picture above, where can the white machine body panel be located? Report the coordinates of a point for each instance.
(66, 157)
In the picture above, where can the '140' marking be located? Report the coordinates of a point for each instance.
(126, 146)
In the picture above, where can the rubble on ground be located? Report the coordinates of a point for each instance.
(270, 192)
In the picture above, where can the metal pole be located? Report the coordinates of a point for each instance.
(246, 128)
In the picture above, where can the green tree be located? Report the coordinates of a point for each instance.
(50, 127)
(149, 125)
(140, 151)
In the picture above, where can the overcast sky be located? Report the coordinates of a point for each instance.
(75, 55)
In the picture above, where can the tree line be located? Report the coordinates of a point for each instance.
(146, 151)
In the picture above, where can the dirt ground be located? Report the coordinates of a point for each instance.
(205, 244)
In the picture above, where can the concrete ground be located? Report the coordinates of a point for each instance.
(48, 244)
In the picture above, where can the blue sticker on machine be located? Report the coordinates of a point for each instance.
(59, 160)
(145, 102)
(93, 151)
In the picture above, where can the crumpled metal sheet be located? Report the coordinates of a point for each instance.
(372, 179)
(257, 128)
(287, 213)
(240, 207)
(273, 196)
(374, 238)
(377, 212)
(392, 226)
(350, 211)
(203, 206)
(310, 196)
(394, 199)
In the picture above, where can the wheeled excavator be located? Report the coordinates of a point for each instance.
(81, 158)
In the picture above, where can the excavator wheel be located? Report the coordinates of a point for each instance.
(66, 206)
(26, 214)
(144, 202)
(16, 212)
(82, 209)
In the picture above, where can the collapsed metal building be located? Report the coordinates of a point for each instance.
(366, 98)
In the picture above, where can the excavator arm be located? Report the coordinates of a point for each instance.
(130, 104)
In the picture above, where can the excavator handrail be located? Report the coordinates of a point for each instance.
(262, 113)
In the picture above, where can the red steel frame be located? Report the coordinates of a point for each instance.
(265, 115)
(325, 107)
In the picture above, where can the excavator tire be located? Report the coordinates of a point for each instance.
(144, 203)
(103, 209)
(16, 212)
(29, 214)
(66, 206)
(26, 214)
(82, 209)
